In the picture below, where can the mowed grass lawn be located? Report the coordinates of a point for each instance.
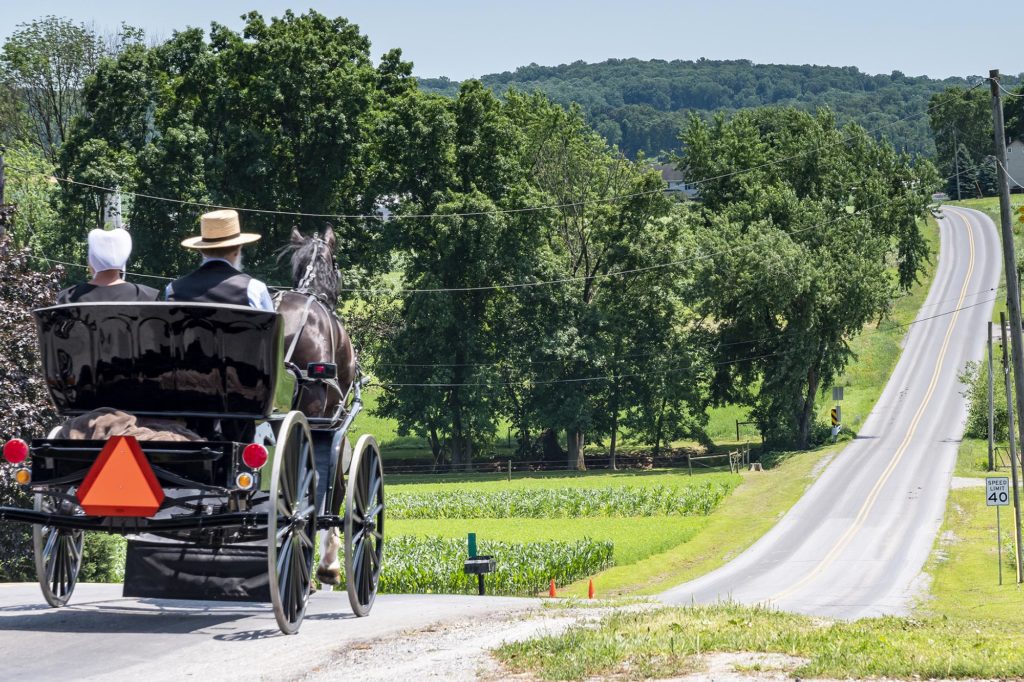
(967, 626)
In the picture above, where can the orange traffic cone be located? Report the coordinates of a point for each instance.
(590, 590)
(551, 590)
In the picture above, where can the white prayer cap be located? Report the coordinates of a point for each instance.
(109, 249)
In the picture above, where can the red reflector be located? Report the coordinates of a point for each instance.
(16, 451)
(121, 482)
(254, 455)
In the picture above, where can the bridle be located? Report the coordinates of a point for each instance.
(303, 287)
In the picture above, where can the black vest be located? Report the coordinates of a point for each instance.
(90, 293)
(214, 282)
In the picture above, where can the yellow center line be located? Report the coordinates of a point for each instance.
(872, 497)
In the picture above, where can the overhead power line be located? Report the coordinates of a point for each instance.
(562, 280)
(416, 216)
(590, 379)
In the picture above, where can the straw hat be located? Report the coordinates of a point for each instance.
(219, 229)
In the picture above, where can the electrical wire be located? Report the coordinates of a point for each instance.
(680, 368)
(547, 207)
(1013, 179)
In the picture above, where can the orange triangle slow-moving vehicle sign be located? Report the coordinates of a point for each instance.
(121, 482)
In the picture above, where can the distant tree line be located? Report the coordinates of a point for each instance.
(529, 271)
(641, 106)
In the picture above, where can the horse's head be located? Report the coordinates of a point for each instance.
(313, 266)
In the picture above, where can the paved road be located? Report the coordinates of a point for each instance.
(854, 545)
(102, 636)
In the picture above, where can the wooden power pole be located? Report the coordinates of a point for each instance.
(1012, 282)
(1013, 454)
(991, 405)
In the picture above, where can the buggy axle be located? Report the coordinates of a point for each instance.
(134, 524)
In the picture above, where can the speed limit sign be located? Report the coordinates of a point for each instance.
(997, 491)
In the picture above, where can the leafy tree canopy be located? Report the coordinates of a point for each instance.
(278, 116)
(642, 105)
(798, 251)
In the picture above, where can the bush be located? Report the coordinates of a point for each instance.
(25, 407)
(692, 500)
(103, 558)
(434, 564)
(974, 378)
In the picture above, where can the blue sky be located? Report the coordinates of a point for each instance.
(462, 39)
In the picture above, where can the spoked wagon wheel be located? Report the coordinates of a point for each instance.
(364, 525)
(291, 523)
(58, 552)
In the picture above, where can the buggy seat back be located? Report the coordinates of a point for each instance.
(172, 359)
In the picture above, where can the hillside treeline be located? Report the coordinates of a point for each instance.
(642, 106)
(502, 261)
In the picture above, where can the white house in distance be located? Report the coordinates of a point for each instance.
(675, 181)
(1015, 165)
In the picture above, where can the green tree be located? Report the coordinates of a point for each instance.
(963, 182)
(30, 188)
(606, 222)
(45, 63)
(988, 177)
(1013, 113)
(280, 116)
(472, 181)
(797, 252)
(960, 117)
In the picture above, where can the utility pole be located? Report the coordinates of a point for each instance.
(991, 402)
(1010, 268)
(1013, 450)
(956, 162)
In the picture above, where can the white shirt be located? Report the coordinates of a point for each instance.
(259, 295)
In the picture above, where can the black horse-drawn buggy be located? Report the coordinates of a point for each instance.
(223, 488)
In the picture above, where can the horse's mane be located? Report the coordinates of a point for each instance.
(323, 280)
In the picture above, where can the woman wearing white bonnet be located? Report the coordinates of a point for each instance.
(109, 251)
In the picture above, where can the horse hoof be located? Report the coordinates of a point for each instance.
(328, 576)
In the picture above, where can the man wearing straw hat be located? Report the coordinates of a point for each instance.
(219, 279)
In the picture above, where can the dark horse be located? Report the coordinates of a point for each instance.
(312, 330)
(313, 333)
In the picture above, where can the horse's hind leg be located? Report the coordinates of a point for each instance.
(329, 570)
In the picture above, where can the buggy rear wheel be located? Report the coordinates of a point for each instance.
(364, 525)
(291, 523)
(58, 552)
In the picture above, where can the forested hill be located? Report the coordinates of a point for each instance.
(639, 104)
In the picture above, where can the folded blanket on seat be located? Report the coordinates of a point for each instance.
(105, 422)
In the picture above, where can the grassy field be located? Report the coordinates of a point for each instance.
(968, 626)
(654, 553)
(964, 569)
(635, 538)
(990, 206)
(669, 642)
(549, 479)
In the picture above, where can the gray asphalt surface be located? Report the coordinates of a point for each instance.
(102, 636)
(855, 543)
(853, 546)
